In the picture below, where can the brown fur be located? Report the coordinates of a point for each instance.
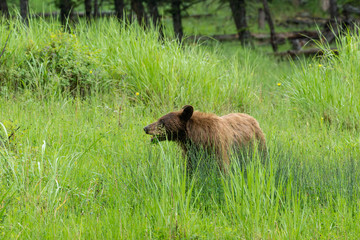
(208, 131)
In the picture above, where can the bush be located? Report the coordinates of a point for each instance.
(54, 64)
(69, 65)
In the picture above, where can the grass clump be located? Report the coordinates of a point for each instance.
(327, 88)
(68, 65)
(44, 59)
(49, 61)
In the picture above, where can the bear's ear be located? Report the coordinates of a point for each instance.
(186, 113)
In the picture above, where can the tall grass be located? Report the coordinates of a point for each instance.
(327, 88)
(78, 165)
(107, 56)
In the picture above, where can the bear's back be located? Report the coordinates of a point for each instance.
(245, 128)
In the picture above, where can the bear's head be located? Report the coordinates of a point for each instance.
(170, 127)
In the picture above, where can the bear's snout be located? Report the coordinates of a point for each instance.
(146, 129)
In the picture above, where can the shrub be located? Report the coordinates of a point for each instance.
(68, 65)
(56, 63)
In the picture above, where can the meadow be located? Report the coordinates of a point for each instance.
(75, 162)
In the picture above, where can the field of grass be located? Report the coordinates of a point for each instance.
(76, 164)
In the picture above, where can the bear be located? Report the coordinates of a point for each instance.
(194, 130)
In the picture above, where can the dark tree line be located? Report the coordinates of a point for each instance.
(4, 9)
(146, 12)
(24, 9)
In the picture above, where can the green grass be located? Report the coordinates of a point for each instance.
(79, 166)
(328, 87)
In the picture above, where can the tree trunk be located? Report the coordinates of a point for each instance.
(296, 3)
(119, 9)
(333, 10)
(154, 12)
(239, 14)
(176, 16)
(331, 28)
(155, 16)
(325, 5)
(65, 13)
(138, 7)
(24, 9)
(4, 10)
(261, 18)
(96, 9)
(87, 10)
(271, 25)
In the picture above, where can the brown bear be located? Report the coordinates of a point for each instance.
(198, 130)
